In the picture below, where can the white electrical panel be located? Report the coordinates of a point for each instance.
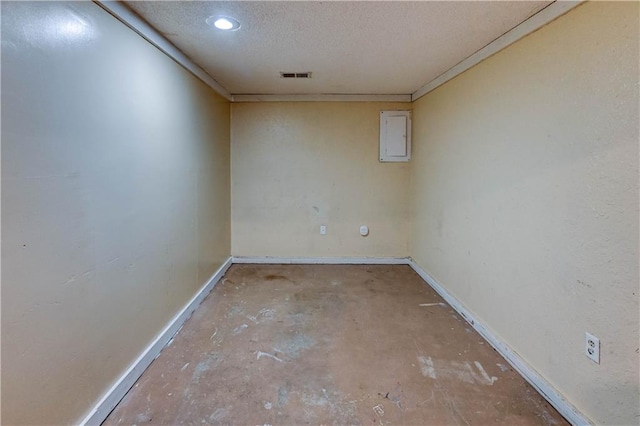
(395, 136)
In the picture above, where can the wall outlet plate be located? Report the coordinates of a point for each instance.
(323, 229)
(592, 347)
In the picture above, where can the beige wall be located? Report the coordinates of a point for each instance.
(521, 198)
(115, 202)
(525, 200)
(298, 165)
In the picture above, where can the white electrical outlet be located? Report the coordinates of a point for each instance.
(323, 229)
(592, 347)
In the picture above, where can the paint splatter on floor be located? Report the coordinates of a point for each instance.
(329, 344)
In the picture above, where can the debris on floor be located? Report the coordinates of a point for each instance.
(329, 344)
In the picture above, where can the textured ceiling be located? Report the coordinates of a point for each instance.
(350, 47)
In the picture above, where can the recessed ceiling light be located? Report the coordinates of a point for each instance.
(224, 23)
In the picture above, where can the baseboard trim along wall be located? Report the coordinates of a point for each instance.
(321, 260)
(543, 387)
(113, 396)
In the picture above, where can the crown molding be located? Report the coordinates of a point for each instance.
(543, 17)
(128, 17)
(321, 98)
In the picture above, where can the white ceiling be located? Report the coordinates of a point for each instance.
(350, 47)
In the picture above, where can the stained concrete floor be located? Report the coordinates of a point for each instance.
(329, 344)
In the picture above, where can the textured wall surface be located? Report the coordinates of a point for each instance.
(296, 166)
(525, 200)
(521, 198)
(115, 202)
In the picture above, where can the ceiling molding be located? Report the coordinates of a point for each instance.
(321, 98)
(121, 12)
(546, 15)
(146, 31)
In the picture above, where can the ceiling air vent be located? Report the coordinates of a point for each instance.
(295, 75)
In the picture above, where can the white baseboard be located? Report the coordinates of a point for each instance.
(543, 387)
(321, 260)
(113, 396)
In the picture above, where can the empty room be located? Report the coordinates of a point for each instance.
(337, 212)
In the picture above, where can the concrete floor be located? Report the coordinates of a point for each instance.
(329, 344)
